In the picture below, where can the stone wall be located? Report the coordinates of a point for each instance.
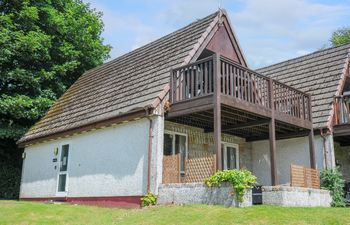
(199, 141)
(199, 193)
(295, 196)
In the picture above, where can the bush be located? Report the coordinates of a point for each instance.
(331, 179)
(149, 199)
(239, 179)
(10, 181)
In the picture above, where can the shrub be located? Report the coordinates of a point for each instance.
(10, 181)
(239, 179)
(149, 199)
(331, 179)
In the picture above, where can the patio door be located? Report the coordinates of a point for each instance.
(229, 156)
(62, 183)
(176, 143)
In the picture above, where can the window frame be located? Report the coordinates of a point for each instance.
(224, 155)
(174, 133)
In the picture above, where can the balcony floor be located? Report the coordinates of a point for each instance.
(238, 118)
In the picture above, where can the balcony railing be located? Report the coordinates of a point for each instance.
(198, 79)
(342, 109)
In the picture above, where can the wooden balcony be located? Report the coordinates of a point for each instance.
(341, 120)
(193, 86)
(221, 96)
(342, 109)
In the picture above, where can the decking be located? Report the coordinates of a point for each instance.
(222, 96)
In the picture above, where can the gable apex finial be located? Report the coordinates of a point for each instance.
(221, 13)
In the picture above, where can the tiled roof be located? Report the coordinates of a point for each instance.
(318, 74)
(129, 82)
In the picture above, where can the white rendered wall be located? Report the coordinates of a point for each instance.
(38, 174)
(289, 151)
(105, 162)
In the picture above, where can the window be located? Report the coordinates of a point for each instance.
(176, 143)
(229, 156)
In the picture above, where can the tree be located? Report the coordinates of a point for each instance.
(45, 45)
(341, 36)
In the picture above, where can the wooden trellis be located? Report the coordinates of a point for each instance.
(304, 177)
(197, 169)
(171, 169)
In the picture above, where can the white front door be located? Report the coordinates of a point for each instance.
(229, 156)
(62, 181)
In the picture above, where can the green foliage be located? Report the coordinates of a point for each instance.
(11, 177)
(149, 199)
(331, 179)
(45, 46)
(239, 179)
(341, 36)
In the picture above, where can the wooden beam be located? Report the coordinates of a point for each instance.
(242, 105)
(217, 111)
(246, 125)
(191, 106)
(285, 118)
(341, 130)
(281, 136)
(272, 137)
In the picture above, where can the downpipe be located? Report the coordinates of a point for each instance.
(150, 137)
(325, 155)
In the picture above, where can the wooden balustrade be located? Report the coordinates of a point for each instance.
(342, 109)
(244, 84)
(192, 81)
(290, 101)
(198, 79)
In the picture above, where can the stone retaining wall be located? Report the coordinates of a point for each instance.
(295, 196)
(199, 193)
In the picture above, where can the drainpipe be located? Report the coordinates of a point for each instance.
(324, 135)
(149, 151)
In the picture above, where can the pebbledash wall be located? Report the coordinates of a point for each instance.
(289, 151)
(105, 162)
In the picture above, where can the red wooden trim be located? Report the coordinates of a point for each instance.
(107, 201)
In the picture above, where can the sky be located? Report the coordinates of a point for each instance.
(269, 31)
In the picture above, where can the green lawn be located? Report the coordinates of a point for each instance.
(14, 212)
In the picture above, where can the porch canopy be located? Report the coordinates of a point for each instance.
(222, 96)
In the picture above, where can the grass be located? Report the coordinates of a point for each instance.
(15, 212)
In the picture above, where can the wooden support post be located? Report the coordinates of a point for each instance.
(272, 136)
(217, 110)
(311, 137)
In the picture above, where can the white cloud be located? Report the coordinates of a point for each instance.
(274, 30)
(269, 31)
(184, 11)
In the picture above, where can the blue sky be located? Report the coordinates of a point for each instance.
(269, 31)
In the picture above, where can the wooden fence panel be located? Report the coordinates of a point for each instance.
(171, 169)
(304, 177)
